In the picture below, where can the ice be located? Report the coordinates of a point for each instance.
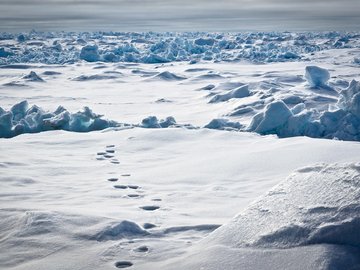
(272, 120)
(168, 47)
(20, 119)
(90, 53)
(316, 76)
(153, 122)
(5, 53)
(223, 124)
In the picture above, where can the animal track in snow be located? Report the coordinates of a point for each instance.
(150, 207)
(123, 264)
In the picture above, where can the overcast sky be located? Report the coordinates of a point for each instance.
(179, 15)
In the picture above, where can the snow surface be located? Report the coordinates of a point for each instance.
(200, 125)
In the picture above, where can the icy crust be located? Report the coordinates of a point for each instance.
(24, 119)
(63, 47)
(343, 122)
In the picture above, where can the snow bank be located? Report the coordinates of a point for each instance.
(341, 123)
(22, 119)
(309, 221)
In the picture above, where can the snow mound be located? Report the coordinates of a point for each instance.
(240, 92)
(22, 119)
(316, 76)
(314, 205)
(124, 229)
(309, 221)
(95, 77)
(223, 124)
(168, 76)
(33, 77)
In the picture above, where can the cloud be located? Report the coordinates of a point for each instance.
(176, 15)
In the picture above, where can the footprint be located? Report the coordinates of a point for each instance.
(147, 226)
(115, 161)
(108, 156)
(133, 186)
(110, 151)
(123, 264)
(133, 195)
(110, 146)
(100, 158)
(101, 153)
(126, 175)
(113, 179)
(120, 187)
(141, 249)
(156, 200)
(150, 207)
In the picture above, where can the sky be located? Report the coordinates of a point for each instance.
(179, 15)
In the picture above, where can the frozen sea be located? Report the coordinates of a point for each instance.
(180, 150)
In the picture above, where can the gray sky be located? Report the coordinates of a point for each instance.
(179, 15)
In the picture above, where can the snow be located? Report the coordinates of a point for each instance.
(202, 127)
(240, 92)
(314, 212)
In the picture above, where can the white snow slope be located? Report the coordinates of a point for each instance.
(164, 154)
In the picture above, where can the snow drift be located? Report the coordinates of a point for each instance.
(309, 221)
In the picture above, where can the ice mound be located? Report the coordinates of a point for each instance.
(90, 53)
(5, 53)
(22, 119)
(240, 92)
(153, 122)
(341, 123)
(204, 41)
(309, 221)
(33, 77)
(272, 120)
(316, 76)
(124, 229)
(223, 124)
